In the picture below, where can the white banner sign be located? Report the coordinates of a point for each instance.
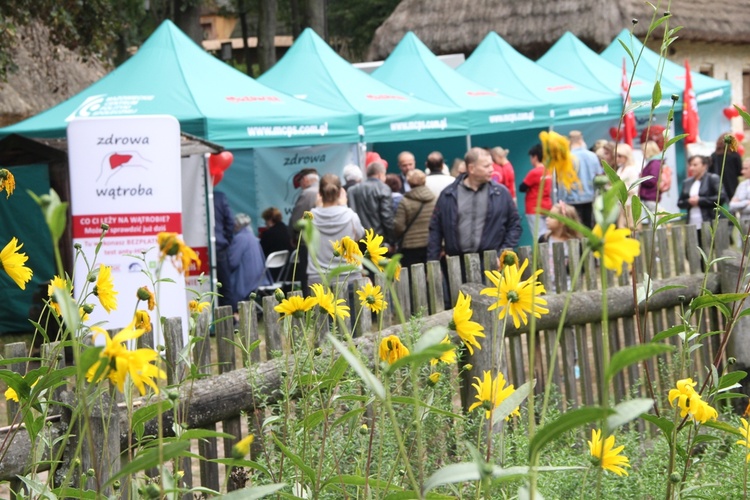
(125, 172)
(276, 167)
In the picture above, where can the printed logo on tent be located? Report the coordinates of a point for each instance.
(253, 98)
(561, 87)
(480, 93)
(385, 97)
(104, 105)
(114, 163)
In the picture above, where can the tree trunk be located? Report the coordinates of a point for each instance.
(187, 17)
(242, 13)
(295, 20)
(316, 16)
(267, 34)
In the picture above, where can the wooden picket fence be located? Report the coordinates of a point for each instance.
(424, 290)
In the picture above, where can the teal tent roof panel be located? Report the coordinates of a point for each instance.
(707, 89)
(500, 67)
(413, 69)
(312, 71)
(571, 58)
(172, 75)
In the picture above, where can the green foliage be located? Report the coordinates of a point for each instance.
(352, 25)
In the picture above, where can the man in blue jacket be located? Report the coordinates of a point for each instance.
(474, 213)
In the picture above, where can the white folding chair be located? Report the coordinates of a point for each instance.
(285, 277)
(275, 260)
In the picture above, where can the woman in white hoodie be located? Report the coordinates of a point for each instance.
(334, 220)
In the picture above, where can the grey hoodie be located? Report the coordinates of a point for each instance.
(333, 223)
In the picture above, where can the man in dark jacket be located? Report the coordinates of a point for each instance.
(224, 232)
(474, 213)
(373, 203)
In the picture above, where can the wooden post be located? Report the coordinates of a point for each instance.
(273, 331)
(176, 372)
(419, 289)
(435, 294)
(207, 448)
(100, 449)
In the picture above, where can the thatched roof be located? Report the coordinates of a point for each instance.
(46, 75)
(532, 26)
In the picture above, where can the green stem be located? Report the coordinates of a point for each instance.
(605, 342)
(400, 441)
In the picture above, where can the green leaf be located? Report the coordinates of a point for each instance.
(306, 469)
(669, 332)
(723, 426)
(243, 463)
(728, 395)
(512, 402)
(146, 413)
(730, 379)
(453, 473)
(662, 423)
(313, 420)
(350, 415)
(366, 375)
(431, 337)
(674, 140)
(254, 492)
(350, 480)
(656, 95)
(205, 434)
(628, 411)
(634, 354)
(564, 423)
(421, 404)
(636, 208)
(745, 116)
(151, 458)
(57, 219)
(629, 53)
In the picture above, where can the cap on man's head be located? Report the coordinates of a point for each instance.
(297, 179)
(372, 156)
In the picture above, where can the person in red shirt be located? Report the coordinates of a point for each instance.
(503, 171)
(531, 185)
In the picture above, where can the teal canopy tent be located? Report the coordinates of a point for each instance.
(172, 75)
(711, 94)
(312, 71)
(500, 67)
(571, 58)
(414, 70)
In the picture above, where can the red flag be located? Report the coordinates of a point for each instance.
(690, 117)
(629, 118)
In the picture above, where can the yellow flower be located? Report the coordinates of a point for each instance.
(375, 252)
(7, 182)
(142, 320)
(60, 284)
(391, 349)
(557, 157)
(307, 215)
(197, 307)
(397, 273)
(608, 458)
(242, 448)
(434, 378)
(743, 430)
(13, 263)
(448, 357)
(515, 296)
(181, 255)
(491, 393)
(119, 362)
(465, 328)
(690, 402)
(295, 306)
(12, 395)
(144, 294)
(337, 308)
(105, 288)
(616, 247)
(508, 258)
(348, 249)
(372, 298)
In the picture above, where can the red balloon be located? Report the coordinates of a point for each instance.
(614, 133)
(741, 150)
(740, 136)
(731, 112)
(220, 162)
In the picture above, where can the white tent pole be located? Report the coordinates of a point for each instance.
(468, 142)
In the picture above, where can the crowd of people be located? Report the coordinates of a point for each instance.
(469, 208)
